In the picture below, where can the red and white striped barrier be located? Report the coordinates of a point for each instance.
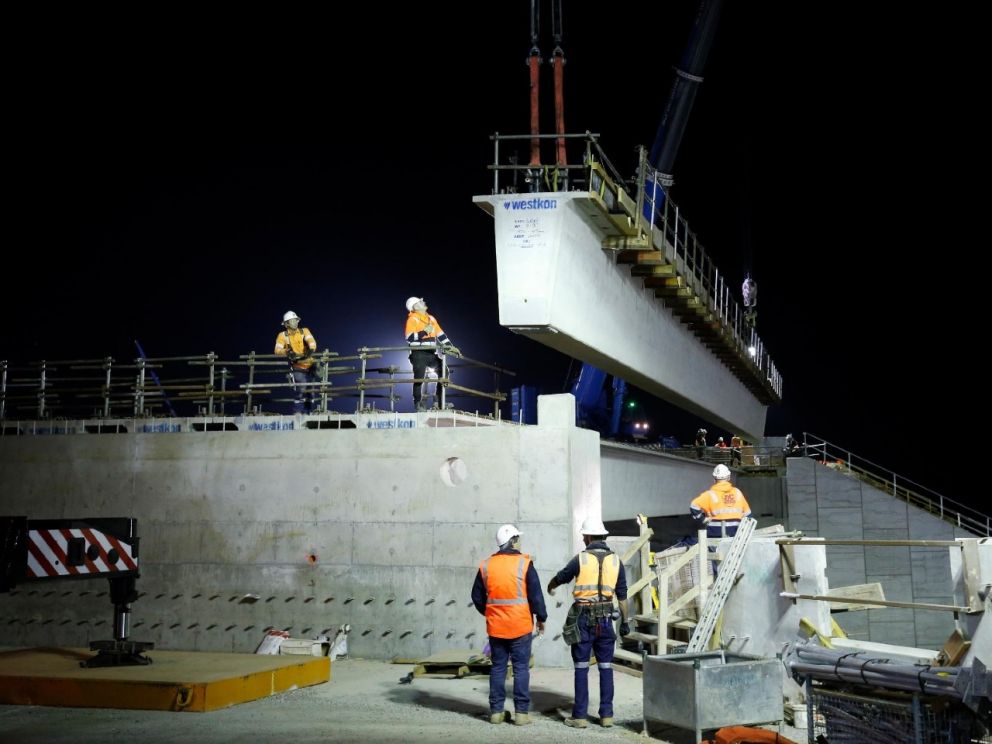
(77, 552)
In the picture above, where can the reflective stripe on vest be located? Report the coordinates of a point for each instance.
(587, 586)
(507, 608)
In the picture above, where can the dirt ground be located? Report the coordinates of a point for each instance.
(363, 702)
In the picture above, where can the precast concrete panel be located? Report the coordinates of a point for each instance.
(830, 503)
(305, 530)
(652, 483)
(558, 286)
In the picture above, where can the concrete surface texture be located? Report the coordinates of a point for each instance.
(363, 702)
(305, 530)
(826, 503)
(756, 620)
(554, 276)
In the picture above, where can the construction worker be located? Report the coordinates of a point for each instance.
(736, 450)
(599, 577)
(720, 443)
(721, 507)
(700, 443)
(508, 592)
(298, 346)
(425, 337)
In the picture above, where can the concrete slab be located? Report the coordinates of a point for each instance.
(176, 680)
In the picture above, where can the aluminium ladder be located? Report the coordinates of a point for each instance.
(725, 578)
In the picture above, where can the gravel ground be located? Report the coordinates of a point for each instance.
(363, 702)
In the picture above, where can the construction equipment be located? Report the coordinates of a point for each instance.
(45, 549)
(721, 587)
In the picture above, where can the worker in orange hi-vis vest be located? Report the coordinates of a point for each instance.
(721, 507)
(298, 345)
(508, 592)
(425, 337)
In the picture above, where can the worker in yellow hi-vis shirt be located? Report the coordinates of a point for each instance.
(298, 345)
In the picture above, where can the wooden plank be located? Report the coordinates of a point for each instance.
(642, 637)
(640, 584)
(971, 569)
(636, 545)
(652, 271)
(625, 655)
(875, 543)
(787, 558)
(878, 603)
(898, 654)
(855, 591)
(645, 596)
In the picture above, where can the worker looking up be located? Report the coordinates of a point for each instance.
(425, 337)
(508, 592)
(722, 507)
(599, 577)
(298, 346)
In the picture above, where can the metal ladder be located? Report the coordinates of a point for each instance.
(721, 587)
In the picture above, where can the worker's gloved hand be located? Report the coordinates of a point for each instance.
(551, 587)
(454, 350)
(429, 329)
(292, 355)
(624, 628)
(540, 628)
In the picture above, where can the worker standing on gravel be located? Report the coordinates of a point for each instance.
(508, 592)
(599, 577)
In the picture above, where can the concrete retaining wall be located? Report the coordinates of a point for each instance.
(826, 503)
(325, 526)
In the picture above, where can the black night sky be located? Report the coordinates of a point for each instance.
(183, 179)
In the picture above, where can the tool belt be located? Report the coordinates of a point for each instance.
(594, 610)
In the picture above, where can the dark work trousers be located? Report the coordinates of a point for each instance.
(516, 650)
(304, 396)
(421, 359)
(595, 636)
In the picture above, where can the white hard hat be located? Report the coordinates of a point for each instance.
(290, 315)
(593, 526)
(506, 533)
(721, 472)
(411, 301)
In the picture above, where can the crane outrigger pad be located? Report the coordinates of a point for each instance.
(188, 681)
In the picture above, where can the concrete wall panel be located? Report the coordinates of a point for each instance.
(306, 530)
(906, 574)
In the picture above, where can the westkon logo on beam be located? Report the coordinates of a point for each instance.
(531, 204)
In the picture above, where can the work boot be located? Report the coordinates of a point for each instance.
(521, 719)
(576, 722)
(606, 722)
(497, 717)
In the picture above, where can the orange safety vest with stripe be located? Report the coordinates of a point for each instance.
(722, 502)
(507, 607)
(416, 335)
(598, 574)
(298, 340)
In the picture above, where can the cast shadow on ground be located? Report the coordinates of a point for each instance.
(545, 702)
